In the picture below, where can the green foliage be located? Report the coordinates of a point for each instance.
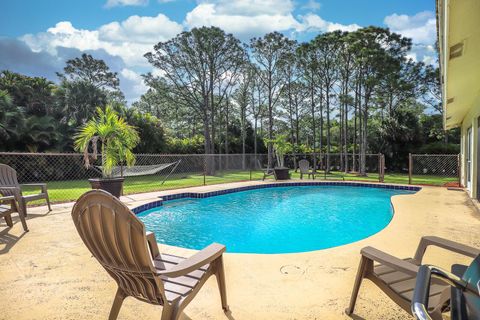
(439, 147)
(40, 133)
(33, 94)
(341, 92)
(193, 145)
(281, 147)
(91, 70)
(117, 139)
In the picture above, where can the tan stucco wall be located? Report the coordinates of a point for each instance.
(470, 121)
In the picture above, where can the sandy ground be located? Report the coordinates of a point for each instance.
(48, 273)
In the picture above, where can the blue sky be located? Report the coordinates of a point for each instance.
(38, 36)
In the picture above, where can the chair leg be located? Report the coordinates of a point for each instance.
(220, 275)
(8, 220)
(48, 202)
(117, 304)
(170, 312)
(23, 206)
(24, 222)
(356, 287)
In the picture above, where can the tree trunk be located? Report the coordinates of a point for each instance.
(209, 165)
(226, 134)
(312, 106)
(328, 129)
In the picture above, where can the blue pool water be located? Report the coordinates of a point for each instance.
(274, 220)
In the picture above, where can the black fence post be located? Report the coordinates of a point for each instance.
(205, 170)
(410, 168)
(250, 165)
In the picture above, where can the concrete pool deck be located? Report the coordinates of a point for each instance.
(48, 273)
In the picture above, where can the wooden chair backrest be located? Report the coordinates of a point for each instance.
(116, 238)
(304, 166)
(8, 176)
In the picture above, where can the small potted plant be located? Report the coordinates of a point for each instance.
(117, 140)
(281, 147)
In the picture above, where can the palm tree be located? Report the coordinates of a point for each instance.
(11, 121)
(40, 132)
(117, 139)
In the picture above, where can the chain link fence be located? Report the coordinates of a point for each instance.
(336, 166)
(67, 177)
(437, 169)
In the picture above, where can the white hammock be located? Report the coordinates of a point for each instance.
(120, 171)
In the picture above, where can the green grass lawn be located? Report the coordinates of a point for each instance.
(62, 191)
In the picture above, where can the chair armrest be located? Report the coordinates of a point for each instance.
(152, 244)
(15, 191)
(43, 186)
(207, 255)
(389, 260)
(8, 198)
(445, 244)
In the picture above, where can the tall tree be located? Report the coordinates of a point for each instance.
(86, 83)
(270, 54)
(200, 66)
(326, 47)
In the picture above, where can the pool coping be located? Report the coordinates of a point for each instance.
(199, 195)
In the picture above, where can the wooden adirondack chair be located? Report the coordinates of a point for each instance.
(396, 277)
(304, 167)
(266, 171)
(117, 239)
(9, 186)
(6, 211)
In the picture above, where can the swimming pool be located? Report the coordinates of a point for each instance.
(274, 220)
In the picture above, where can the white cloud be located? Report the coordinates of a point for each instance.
(421, 27)
(245, 19)
(135, 81)
(253, 18)
(311, 5)
(115, 3)
(140, 29)
(129, 39)
(313, 22)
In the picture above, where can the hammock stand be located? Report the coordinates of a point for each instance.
(121, 171)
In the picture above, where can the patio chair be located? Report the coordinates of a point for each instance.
(266, 171)
(465, 290)
(9, 186)
(117, 239)
(396, 277)
(304, 167)
(6, 211)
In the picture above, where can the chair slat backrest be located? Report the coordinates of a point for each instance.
(116, 238)
(304, 165)
(8, 176)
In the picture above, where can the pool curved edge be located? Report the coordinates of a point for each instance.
(197, 195)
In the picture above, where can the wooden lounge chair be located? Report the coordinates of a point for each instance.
(6, 211)
(117, 239)
(266, 171)
(304, 167)
(396, 277)
(9, 186)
